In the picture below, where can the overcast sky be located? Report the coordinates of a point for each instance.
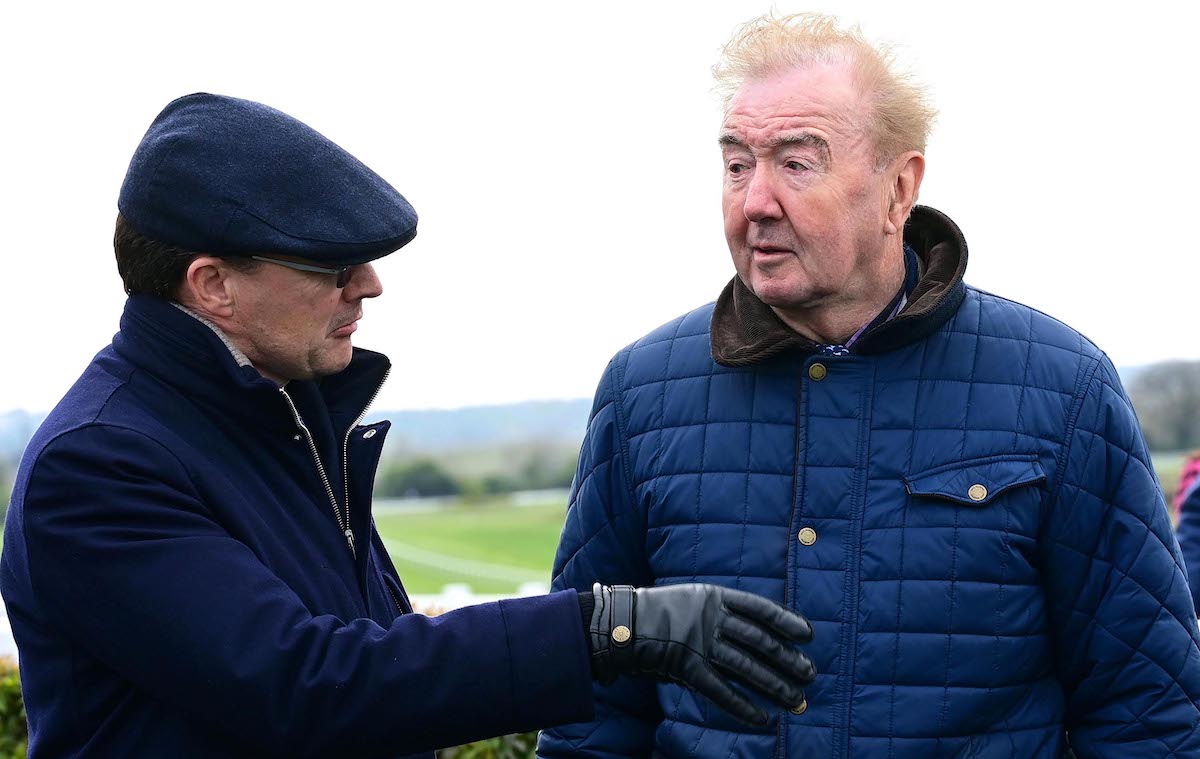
(564, 164)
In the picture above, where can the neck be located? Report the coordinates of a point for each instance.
(237, 352)
(835, 319)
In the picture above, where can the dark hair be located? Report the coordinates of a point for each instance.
(150, 267)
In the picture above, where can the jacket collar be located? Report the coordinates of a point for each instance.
(180, 350)
(745, 330)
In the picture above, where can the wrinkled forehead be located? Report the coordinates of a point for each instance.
(823, 93)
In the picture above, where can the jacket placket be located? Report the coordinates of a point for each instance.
(824, 547)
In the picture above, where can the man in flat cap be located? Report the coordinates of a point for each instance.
(190, 565)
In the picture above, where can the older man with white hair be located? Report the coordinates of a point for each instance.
(950, 485)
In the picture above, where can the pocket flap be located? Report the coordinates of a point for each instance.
(978, 481)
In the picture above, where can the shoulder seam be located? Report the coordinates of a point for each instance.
(1081, 392)
(617, 381)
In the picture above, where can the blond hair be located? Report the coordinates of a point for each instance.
(900, 116)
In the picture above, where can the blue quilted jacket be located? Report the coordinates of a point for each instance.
(964, 507)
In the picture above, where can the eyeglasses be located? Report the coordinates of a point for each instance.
(342, 272)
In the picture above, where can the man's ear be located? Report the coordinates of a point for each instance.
(906, 174)
(206, 287)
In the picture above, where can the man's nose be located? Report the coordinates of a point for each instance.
(364, 283)
(762, 201)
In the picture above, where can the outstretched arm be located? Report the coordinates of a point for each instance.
(125, 559)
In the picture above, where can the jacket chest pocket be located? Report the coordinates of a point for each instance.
(976, 482)
(975, 521)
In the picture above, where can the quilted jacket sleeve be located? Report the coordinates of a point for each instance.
(125, 558)
(603, 542)
(1189, 540)
(1121, 611)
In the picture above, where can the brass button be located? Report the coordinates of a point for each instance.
(620, 634)
(369, 434)
(808, 536)
(801, 707)
(977, 492)
(817, 372)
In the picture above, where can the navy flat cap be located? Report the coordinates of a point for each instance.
(225, 176)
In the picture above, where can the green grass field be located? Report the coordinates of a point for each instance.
(491, 546)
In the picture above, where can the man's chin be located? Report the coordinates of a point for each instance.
(335, 361)
(780, 295)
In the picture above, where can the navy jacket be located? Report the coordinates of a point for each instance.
(178, 583)
(964, 507)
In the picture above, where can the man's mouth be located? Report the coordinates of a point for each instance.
(769, 250)
(347, 329)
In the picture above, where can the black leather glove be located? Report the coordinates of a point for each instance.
(704, 637)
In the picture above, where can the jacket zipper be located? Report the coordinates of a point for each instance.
(346, 477)
(346, 454)
(343, 522)
(395, 598)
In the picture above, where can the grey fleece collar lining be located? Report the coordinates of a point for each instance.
(233, 349)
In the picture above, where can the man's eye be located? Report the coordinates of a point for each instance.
(795, 166)
(736, 168)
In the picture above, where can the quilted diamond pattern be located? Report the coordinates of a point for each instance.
(944, 625)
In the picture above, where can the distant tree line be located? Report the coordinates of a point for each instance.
(1166, 397)
(512, 470)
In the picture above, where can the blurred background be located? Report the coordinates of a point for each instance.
(563, 159)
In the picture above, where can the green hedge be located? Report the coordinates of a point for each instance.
(14, 731)
(520, 746)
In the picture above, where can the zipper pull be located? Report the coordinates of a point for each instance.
(350, 542)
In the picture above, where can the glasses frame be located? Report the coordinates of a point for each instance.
(342, 272)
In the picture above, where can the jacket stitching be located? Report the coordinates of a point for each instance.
(746, 492)
(982, 383)
(657, 464)
(1069, 437)
(858, 517)
(699, 479)
(912, 441)
(662, 413)
(615, 383)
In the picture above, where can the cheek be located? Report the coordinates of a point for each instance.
(733, 203)
(810, 212)
(736, 223)
(735, 237)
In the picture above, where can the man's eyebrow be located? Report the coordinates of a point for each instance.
(800, 140)
(787, 139)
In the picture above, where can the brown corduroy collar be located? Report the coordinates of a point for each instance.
(745, 330)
